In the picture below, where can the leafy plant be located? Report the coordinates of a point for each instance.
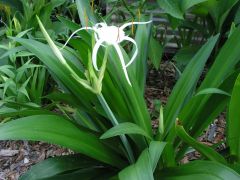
(15, 83)
(233, 124)
(107, 121)
(23, 78)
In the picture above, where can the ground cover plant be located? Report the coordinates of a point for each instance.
(86, 92)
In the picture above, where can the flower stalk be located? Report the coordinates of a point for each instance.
(114, 123)
(94, 84)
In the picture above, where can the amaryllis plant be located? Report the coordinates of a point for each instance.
(98, 109)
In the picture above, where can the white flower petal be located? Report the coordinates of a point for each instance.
(136, 50)
(131, 23)
(94, 54)
(83, 28)
(119, 52)
(107, 35)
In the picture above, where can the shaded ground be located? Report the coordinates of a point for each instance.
(17, 156)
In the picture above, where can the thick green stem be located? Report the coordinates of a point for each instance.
(115, 122)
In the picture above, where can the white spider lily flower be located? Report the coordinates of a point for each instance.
(111, 35)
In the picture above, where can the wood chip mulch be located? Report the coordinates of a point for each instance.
(17, 156)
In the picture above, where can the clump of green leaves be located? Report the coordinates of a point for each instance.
(109, 123)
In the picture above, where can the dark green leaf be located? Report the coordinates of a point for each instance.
(171, 7)
(199, 170)
(57, 130)
(187, 83)
(186, 4)
(124, 128)
(197, 115)
(58, 165)
(144, 167)
(233, 123)
(208, 152)
(155, 52)
(212, 91)
(85, 11)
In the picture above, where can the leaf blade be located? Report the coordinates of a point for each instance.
(203, 149)
(144, 167)
(200, 170)
(212, 91)
(124, 128)
(233, 124)
(186, 83)
(50, 128)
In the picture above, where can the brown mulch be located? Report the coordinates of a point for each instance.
(17, 156)
(159, 83)
(159, 86)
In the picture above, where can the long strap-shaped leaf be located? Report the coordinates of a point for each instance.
(56, 167)
(194, 116)
(124, 128)
(234, 122)
(144, 167)
(186, 83)
(199, 170)
(85, 13)
(208, 152)
(57, 130)
(214, 105)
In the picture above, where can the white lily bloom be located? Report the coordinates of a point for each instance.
(111, 35)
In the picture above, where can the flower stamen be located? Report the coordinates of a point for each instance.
(92, 7)
(118, 35)
(132, 28)
(139, 15)
(86, 18)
